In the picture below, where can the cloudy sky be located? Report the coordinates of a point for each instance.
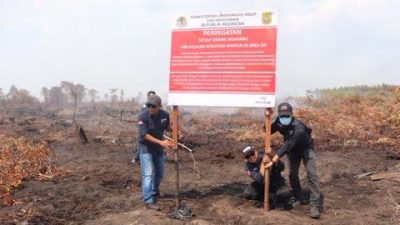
(125, 44)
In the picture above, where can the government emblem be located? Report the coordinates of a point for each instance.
(266, 18)
(181, 21)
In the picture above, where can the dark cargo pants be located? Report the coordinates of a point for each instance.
(279, 195)
(308, 157)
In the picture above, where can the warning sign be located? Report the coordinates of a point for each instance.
(223, 60)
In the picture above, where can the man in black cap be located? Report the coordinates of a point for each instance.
(298, 145)
(149, 94)
(151, 125)
(144, 108)
(254, 166)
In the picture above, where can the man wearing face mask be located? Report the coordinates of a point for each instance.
(298, 145)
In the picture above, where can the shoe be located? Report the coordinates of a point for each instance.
(314, 212)
(135, 161)
(294, 202)
(297, 201)
(156, 196)
(152, 206)
(279, 207)
(287, 206)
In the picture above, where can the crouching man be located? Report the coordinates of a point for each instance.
(279, 192)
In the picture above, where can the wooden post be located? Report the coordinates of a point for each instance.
(267, 149)
(175, 143)
(266, 189)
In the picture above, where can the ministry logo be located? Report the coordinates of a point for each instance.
(181, 21)
(266, 18)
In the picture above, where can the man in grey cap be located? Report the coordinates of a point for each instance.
(298, 145)
(151, 126)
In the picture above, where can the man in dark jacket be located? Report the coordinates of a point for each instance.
(142, 109)
(279, 192)
(298, 145)
(151, 126)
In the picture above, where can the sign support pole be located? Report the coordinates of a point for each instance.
(268, 152)
(175, 147)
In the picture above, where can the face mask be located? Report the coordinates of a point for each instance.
(285, 120)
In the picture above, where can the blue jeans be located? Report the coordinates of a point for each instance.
(152, 171)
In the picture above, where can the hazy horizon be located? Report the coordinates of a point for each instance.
(126, 44)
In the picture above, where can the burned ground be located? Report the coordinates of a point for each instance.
(97, 184)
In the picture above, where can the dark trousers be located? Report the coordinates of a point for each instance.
(308, 157)
(279, 194)
(137, 152)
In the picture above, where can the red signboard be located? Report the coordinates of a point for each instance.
(223, 59)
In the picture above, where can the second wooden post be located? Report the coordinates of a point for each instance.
(267, 149)
(175, 143)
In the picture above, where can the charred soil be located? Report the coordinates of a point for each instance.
(99, 185)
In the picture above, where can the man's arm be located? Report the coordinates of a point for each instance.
(256, 176)
(163, 143)
(144, 135)
(143, 126)
(299, 132)
(275, 159)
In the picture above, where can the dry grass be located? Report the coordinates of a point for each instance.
(21, 158)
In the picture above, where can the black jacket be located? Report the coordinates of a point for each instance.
(275, 179)
(296, 136)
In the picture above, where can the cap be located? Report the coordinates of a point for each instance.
(285, 109)
(153, 100)
(247, 150)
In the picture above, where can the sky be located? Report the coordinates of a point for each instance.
(106, 44)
